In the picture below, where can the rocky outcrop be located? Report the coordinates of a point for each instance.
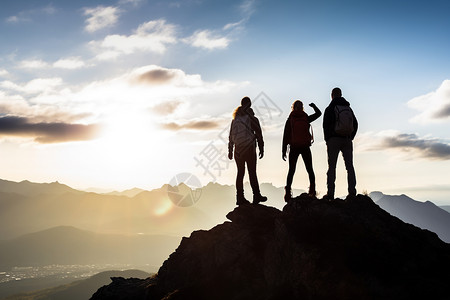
(311, 250)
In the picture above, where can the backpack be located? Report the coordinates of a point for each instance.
(241, 131)
(344, 120)
(300, 131)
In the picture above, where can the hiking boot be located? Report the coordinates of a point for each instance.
(240, 200)
(259, 198)
(287, 194)
(312, 191)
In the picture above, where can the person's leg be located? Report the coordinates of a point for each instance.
(333, 148)
(251, 159)
(240, 164)
(251, 166)
(347, 153)
(293, 157)
(307, 159)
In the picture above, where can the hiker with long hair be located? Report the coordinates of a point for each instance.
(245, 133)
(297, 135)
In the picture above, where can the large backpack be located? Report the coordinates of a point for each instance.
(301, 131)
(344, 120)
(241, 131)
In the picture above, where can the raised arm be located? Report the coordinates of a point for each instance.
(317, 113)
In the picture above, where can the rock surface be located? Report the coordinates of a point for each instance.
(311, 250)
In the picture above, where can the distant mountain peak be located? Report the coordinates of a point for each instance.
(425, 215)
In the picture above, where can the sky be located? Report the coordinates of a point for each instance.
(133, 93)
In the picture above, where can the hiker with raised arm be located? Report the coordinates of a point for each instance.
(339, 129)
(298, 136)
(245, 134)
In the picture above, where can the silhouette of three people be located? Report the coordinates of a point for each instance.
(339, 127)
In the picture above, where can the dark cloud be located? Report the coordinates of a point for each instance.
(166, 108)
(443, 113)
(47, 132)
(193, 125)
(429, 148)
(157, 76)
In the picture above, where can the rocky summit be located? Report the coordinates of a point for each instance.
(313, 249)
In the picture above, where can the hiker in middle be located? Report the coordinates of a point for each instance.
(299, 138)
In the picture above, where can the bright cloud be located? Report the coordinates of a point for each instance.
(141, 89)
(69, 63)
(434, 106)
(153, 36)
(206, 39)
(3, 73)
(39, 85)
(166, 108)
(33, 64)
(101, 17)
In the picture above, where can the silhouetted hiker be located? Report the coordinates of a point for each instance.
(339, 129)
(297, 135)
(245, 131)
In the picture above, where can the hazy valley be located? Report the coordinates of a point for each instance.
(51, 233)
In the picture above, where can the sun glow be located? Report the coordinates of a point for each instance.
(163, 208)
(126, 150)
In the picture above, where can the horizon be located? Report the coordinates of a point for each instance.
(246, 184)
(133, 93)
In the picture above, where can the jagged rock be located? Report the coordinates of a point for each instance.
(124, 289)
(312, 250)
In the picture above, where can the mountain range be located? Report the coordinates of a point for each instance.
(425, 215)
(136, 226)
(31, 207)
(312, 249)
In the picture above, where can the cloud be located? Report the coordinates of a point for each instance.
(140, 90)
(247, 7)
(101, 17)
(3, 73)
(132, 2)
(46, 133)
(206, 39)
(33, 64)
(70, 63)
(433, 107)
(153, 36)
(156, 76)
(27, 16)
(409, 144)
(192, 125)
(152, 76)
(38, 85)
(166, 108)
